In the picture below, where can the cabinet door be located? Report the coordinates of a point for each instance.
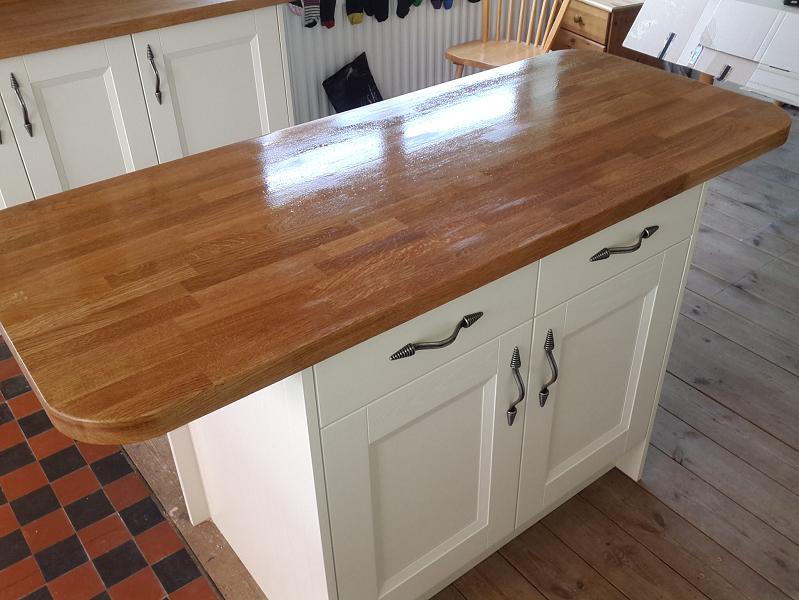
(220, 81)
(14, 185)
(86, 111)
(425, 478)
(610, 344)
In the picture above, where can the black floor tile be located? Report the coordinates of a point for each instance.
(102, 596)
(62, 462)
(34, 505)
(41, 594)
(120, 563)
(176, 570)
(141, 516)
(11, 388)
(15, 457)
(35, 424)
(111, 468)
(13, 548)
(3, 498)
(6, 416)
(89, 510)
(61, 557)
(4, 351)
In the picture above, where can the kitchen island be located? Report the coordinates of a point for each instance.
(249, 300)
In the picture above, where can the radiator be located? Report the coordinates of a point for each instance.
(404, 54)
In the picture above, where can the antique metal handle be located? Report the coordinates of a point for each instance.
(549, 346)
(578, 19)
(605, 253)
(25, 117)
(151, 58)
(515, 365)
(410, 349)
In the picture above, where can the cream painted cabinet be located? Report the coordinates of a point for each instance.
(213, 82)
(425, 479)
(14, 185)
(78, 114)
(609, 348)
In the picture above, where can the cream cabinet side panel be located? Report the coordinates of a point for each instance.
(220, 81)
(86, 113)
(14, 185)
(260, 463)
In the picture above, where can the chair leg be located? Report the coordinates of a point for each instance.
(459, 71)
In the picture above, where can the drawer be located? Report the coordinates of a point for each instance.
(566, 39)
(354, 378)
(569, 272)
(588, 21)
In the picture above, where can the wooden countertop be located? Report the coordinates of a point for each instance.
(34, 25)
(143, 302)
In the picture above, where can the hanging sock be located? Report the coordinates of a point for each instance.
(448, 4)
(403, 8)
(379, 9)
(311, 12)
(295, 8)
(327, 12)
(355, 11)
(419, 2)
(437, 3)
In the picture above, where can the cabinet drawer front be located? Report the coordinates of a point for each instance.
(355, 377)
(566, 39)
(588, 21)
(569, 272)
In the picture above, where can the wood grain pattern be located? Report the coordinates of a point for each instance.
(141, 303)
(27, 26)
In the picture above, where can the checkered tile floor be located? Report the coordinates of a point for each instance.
(77, 522)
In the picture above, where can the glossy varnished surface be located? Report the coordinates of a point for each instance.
(141, 303)
(34, 25)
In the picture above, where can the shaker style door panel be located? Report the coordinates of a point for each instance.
(79, 116)
(14, 185)
(214, 82)
(609, 347)
(425, 479)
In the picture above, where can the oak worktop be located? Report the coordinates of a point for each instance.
(28, 26)
(143, 302)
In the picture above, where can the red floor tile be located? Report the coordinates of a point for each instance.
(199, 589)
(143, 585)
(75, 485)
(24, 405)
(8, 522)
(158, 542)
(93, 453)
(126, 491)
(8, 368)
(23, 481)
(20, 579)
(49, 442)
(79, 584)
(47, 530)
(10, 435)
(108, 533)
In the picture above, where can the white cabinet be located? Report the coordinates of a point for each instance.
(86, 118)
(14, 185)
(610, 344)
(219, 81)
(424, 479)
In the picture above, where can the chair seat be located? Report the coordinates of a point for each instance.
(485, 55)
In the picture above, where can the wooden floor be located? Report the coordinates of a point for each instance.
(716, 514)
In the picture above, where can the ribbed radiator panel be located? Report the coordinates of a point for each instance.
(404, 54)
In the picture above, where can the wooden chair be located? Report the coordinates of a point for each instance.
(543, 19)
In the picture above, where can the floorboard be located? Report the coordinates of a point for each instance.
(716, 514)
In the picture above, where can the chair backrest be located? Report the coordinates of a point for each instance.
(531, 22)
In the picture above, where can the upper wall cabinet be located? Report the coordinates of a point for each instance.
(14, 186)
(78, 114)
(214, 82)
